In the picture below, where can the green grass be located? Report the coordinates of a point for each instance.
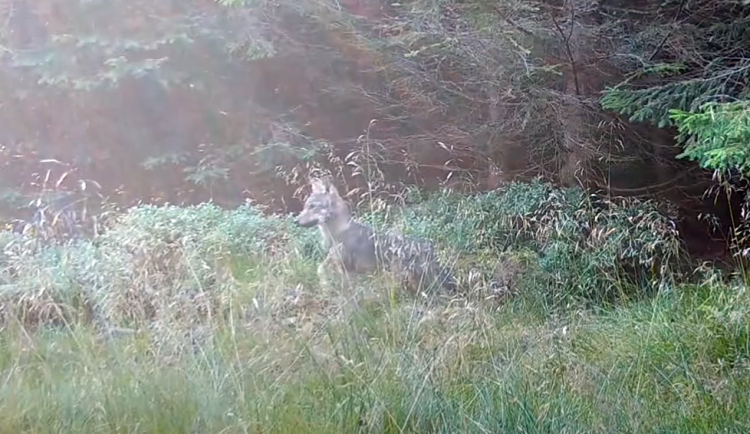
(676, 363)
(230, 331)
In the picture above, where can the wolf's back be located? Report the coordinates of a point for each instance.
(420, 254)
(447, 280)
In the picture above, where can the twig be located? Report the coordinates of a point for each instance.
(669, 33)
(508, 20)
(569, 51)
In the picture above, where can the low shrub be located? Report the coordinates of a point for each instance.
(592, 248)
(154, 263)
(162, 263)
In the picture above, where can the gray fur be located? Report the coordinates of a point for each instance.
(355, 248)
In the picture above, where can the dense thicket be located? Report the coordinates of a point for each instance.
(192, 100)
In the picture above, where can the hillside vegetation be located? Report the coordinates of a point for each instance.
(575, 162)
(185, 102)
(575, 316)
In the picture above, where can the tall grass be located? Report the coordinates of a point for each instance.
(222, 334)
(669, 365)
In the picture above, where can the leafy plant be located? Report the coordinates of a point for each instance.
(152, 264)
(591, 248)
(717, 136)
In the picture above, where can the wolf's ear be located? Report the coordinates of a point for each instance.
(330, 187)
(318, 185)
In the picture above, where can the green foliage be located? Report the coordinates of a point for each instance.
(153, 262)
(150, 265)
(506, 62)
(653, 104)
(85, 61)
(591, 248)
(700, 88)
(230, 333)
(206, 228)
(471, 224)
(677, 363)
(123, 66)
(90, 52)
(717, 136)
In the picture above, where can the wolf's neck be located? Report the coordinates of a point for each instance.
(335, 228)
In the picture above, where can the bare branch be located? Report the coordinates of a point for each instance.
(566, 41)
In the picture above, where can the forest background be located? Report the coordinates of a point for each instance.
(188, 101)
(581, 165)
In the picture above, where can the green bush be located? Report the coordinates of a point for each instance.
(161, 263)
(153, 263)
(591, 248)
(208, 229)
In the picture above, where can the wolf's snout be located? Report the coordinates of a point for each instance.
(304, 221)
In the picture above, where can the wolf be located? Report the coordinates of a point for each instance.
(355, 248)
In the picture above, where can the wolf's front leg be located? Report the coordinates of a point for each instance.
(325, 275)
(331, 272)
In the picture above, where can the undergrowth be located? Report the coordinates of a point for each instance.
(205, 320)
(589, 249)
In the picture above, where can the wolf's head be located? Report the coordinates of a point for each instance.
(324, 206)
